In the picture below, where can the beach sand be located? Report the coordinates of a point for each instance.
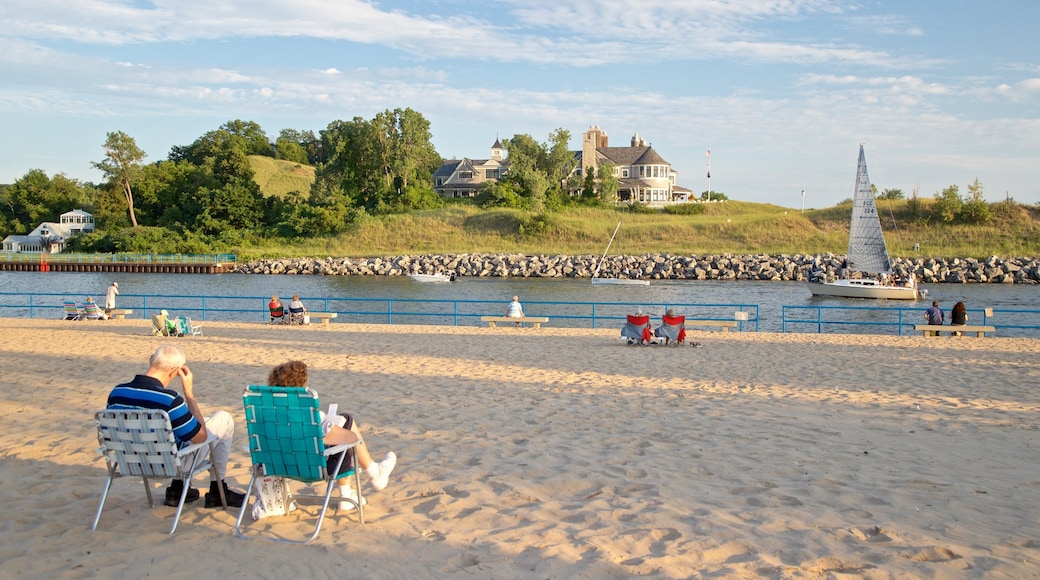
(558, 453)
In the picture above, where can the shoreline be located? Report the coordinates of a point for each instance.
(561, 453)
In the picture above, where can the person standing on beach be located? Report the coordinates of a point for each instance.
(110, 297)
(339, 430)
(148, 391)
(934, 316)
(515, 309)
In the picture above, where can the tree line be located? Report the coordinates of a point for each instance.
(203, 197)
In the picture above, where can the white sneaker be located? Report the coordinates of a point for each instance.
(349, 492)
(380, 480)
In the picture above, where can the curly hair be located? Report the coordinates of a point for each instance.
(289, 374)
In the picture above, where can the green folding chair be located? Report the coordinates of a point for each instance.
(285, 440)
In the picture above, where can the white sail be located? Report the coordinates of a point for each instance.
(867, 250)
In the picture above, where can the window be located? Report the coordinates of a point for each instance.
(465, 175)
(624, 173)
(491, 173)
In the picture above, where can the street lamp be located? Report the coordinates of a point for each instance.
(803, 201)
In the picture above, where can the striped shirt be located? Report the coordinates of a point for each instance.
(146, 392)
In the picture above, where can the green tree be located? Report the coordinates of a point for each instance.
(121, 165)
(891, 194)
(608, 183)
(947, 204)
(975, 210)
(293, 145)
(719, 196)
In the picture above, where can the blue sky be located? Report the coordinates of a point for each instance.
(782, 91)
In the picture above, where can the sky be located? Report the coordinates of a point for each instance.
(782, 92)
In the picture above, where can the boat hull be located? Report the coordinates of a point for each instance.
(863, 289)
(430, 277)
(621, 281)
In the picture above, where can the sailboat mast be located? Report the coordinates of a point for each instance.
(604, 256)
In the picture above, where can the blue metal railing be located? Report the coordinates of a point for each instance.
(379, 310)
(901, 321)
(124, 258)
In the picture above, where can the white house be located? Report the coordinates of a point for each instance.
(643, 175)
(50, 237)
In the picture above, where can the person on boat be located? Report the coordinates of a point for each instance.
(637, 329)
(339, 430)
(958, 317)
(515, 309)
(934, 316)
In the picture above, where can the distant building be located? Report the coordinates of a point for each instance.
(643, 175)
(51, 237)
(463, 177)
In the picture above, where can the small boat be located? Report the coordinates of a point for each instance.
(619, 281)
(867, 253)
(433, 277)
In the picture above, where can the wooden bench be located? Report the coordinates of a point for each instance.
(323, 316)
(120, 313)
(980, 331)
(725, 325)
(535, 321)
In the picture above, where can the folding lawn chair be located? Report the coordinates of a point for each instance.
(72, 312)
(286, 440)
(140, 442)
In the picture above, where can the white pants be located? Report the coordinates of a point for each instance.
(221, 424)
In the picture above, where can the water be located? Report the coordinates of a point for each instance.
(770, 297)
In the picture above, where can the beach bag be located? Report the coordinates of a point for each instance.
(273, 497)
(306, 318)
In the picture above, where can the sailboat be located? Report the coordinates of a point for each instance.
(627, 281)
(867, 252)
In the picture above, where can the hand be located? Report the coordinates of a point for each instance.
(187, 381)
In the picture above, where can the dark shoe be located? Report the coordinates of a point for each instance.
(234, 498)
(173, 494)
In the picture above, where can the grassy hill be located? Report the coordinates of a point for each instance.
(732, 227)
(277, 177)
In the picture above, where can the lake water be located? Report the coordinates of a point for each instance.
(539, 295)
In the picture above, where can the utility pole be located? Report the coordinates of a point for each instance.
(803, 201)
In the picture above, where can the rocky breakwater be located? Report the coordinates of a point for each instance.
(797, 267)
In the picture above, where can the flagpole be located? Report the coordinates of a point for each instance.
(707, 154)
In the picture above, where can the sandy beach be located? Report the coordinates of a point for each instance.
(558, 453)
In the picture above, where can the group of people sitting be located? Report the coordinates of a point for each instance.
(639, 331)
(297, 312)
(151, 391)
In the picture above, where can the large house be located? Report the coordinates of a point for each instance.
(643, 175)
(50, 237)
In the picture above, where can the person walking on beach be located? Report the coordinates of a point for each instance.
(515, 309)
(341, 429)
(148, 391)
(110, 297)
(934, 316)
(958, 317)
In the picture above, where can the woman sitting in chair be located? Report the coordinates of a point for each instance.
(277, 311)
(296, 311)
(340, 430)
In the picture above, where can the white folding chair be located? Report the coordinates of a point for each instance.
(140, 442)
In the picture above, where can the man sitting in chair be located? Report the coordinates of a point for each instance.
(637, 328)
(148, 391)
(673, 327)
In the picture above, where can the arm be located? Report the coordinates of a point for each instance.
(187, 382)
